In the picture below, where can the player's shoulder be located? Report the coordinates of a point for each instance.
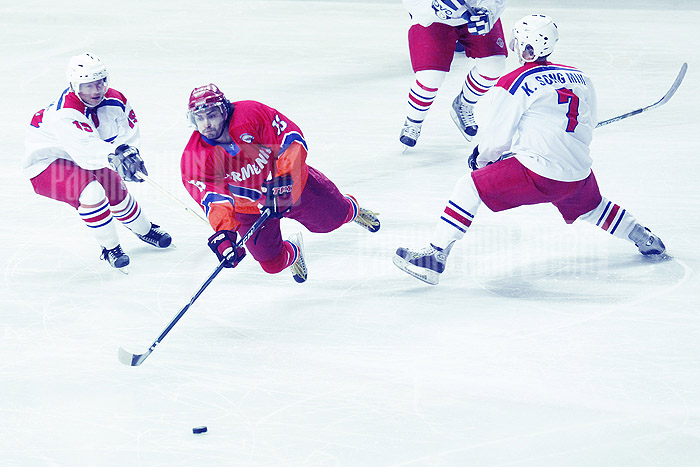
(250, 108)
(512, 81)
(114, 99)
(70, 101)
(195, 144)
(115, 95)
(250, 117)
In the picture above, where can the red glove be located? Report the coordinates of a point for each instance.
(222, 244)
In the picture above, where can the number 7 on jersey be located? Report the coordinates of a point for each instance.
(567, 96)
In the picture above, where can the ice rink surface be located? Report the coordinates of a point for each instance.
(545, 344)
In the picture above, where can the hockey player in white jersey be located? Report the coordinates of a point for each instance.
(534, 149)
(79, 150)
(438, 25)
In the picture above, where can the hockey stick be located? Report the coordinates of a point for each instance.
(128, 358)
(175, 198)
(662, 101)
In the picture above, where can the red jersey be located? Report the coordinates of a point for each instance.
(226, 178)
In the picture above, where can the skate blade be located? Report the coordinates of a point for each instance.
(124, 270)
(426, 275)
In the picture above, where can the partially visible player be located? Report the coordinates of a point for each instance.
(535, 148)
(439, 28)
(78, 150)
(245, 155)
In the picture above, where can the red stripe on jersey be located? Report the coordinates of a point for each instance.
(426, 88)
(458, 217)
(114, 94)
(71, 101)
(611, 217)
(507, 80)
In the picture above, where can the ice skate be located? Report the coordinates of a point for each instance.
(298, 268)
(156, 237)
(116, 258)
(425, 264)
(368, 219)
(647, 242)
(410, 133)
(463, 116)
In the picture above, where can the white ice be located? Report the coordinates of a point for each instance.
(545, 344)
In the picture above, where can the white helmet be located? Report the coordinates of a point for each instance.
(85, 68)
(534, 37)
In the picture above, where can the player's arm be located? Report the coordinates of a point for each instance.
(291, 155)
(204, 182)
(499, 125)
(129, 132)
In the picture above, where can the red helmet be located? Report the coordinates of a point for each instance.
(207, 96)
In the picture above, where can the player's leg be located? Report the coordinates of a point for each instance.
(500, 186)
(428, 263)
(489, 53)
(272, 252)
(587, 204)
(127, 210)
(618, 222)
(323, 208)
(65, 181)
(95, 212)
(431, 50)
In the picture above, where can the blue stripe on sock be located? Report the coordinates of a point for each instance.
(466, 213)
(453, 224)
(618, 222)
(605, 211)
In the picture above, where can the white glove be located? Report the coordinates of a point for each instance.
(479, 21)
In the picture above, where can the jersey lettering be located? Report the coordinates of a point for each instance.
(199, 185)
(280, 124)
(132, 119)
(567, 96)
(82, 126)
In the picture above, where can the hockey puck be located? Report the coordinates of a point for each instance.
(199, 429)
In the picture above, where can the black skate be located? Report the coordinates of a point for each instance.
(410, 133)
(156, 237)
(425, 264)
(115, 257)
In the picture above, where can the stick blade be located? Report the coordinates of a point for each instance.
(130, 359)
(676, 84)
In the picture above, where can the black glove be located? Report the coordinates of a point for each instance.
(222, 244)
(471, 161)
(127, 162)
(278, 194)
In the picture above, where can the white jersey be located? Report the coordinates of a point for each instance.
(545, 115)
(422, 11)
(68, 129)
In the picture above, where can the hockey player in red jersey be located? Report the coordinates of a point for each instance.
(534, 149)
(244, 156)
(79, 150)
(439, 25)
